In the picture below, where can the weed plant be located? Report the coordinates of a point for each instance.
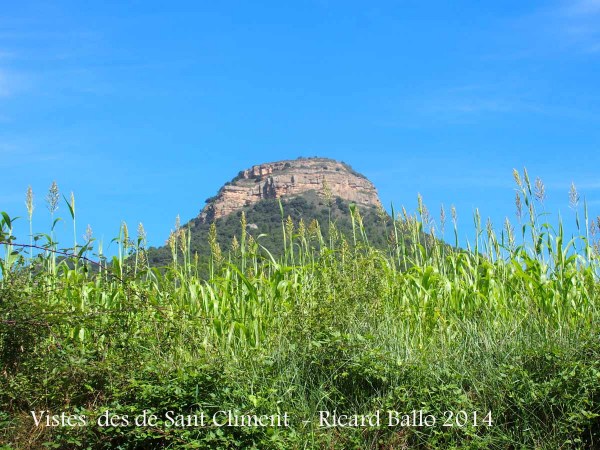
(506, 329)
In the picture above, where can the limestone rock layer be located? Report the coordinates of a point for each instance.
(327, 177)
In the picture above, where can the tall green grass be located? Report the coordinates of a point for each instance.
(508, 325)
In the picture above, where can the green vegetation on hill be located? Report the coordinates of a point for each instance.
(500, 345)
(264, 224)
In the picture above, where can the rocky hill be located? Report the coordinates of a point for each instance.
(310, 189)
(291, 178)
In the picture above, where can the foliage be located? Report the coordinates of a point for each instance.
(332, 321)
(264, 219)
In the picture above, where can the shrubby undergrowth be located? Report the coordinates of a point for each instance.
(507, 329)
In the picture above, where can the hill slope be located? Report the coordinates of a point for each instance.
(310, 189)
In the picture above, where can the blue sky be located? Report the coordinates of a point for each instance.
(145, 109)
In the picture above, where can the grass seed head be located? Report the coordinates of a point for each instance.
(442, 217)
(518, 205)
(87, 237)
(531, 211)
(489, 228)
(142, 258)
(423, 211)
(53, 197)
(125, 235)
(510, 233)
(327, 194)
(29, 202)
(392, 239)
(301, 228)
(243, 224)
(333, 232)
(172, 243)
(573, 197)
(314, 230)
(381, 213)
(183, 242)
(540, 190)
(526, 177)
(235, 245)
(141, 234)
(358, 218)
(517, 178)
(289, 227)
(252, 245)
(345, 247)
(215, 248)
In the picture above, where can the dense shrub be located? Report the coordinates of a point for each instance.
(502, 340)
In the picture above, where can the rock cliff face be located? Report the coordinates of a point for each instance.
(324, 176)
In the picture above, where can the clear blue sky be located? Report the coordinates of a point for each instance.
(145, 109)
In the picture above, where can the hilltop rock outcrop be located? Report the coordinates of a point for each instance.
(326, 177)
